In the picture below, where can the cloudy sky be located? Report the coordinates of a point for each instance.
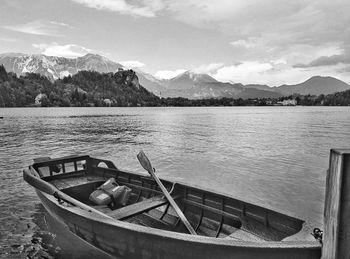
(247, 41)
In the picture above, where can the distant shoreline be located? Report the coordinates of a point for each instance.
(170, 106)
(122, 89)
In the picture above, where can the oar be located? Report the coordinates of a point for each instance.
(146, 164)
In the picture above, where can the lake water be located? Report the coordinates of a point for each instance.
(274, 157)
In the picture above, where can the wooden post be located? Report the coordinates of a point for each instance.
(336, 238)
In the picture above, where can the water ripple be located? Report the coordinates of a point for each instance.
(272, 156)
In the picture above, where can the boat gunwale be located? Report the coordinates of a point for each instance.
(103, 218)
(100, 219)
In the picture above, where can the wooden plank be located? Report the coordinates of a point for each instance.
(138, 208)
(149, 221)
(336, 237)
(236, 219)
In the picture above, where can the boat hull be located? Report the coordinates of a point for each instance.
(125, 240)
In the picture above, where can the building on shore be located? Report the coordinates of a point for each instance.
(288, 102)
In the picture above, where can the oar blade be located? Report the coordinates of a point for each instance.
(144, 161)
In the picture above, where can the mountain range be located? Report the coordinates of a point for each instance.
(56, 67)
(199, 86)
(188, 84)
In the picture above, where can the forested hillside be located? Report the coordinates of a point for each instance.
(86, 88)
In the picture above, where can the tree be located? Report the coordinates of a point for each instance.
(3, 74)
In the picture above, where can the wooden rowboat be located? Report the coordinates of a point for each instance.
(149, 225)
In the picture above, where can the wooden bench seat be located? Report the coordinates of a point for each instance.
(138, 208)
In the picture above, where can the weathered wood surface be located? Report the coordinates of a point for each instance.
(137, 208)
(336, 239)
(237, 222)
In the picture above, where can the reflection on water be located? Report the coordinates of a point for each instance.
(271, 156)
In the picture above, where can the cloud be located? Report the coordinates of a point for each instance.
(241, 72)
(140, 8)
(327, 61)
(268, 29)
(62, 24)
(243, 43)
(344, 70)
(168, 74)
(330, 60)
(274, 73)
(269, 25)
(6, 39)
(206, 12)
(252, 17)
(35, 27)
(68, 50)
(132, 64)
(205, 69)
(38, 27)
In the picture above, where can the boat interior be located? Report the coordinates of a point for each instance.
(210, 214)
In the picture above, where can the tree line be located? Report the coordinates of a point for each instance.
(90, 88)
(86, 88)
(335, 99)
